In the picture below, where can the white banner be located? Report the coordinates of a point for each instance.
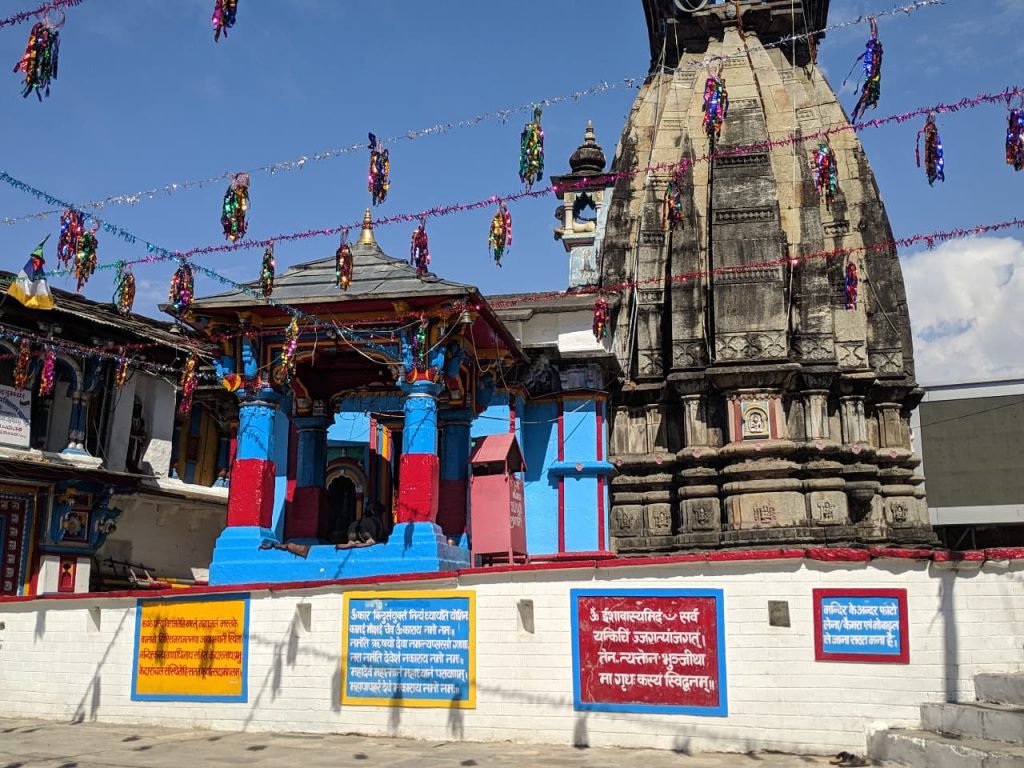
(15, 416)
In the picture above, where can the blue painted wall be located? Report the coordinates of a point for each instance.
(580, 421)
(350, 427)
(541, 488)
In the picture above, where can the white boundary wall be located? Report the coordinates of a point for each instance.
(56, 663)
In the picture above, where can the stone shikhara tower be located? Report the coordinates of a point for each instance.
(758, 404)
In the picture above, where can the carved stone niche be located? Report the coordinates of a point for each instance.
(828, 507)
(659, 519)
(766, 510)
(627, 521)
(701, 515)
(756, 416)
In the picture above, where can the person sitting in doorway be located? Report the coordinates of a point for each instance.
(368, 529)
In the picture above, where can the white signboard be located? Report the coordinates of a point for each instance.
(15, 416)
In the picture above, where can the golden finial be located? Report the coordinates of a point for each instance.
(366, 237)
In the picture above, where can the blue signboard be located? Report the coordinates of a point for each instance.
(867, 625)
(409, 649)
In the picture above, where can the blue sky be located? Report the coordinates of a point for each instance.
(146, 98)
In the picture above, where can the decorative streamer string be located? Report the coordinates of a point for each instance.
(303, 161)
(36, 13)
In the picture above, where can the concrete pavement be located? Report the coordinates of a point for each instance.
(47, 744)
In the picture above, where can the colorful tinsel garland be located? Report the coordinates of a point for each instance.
(24, 364)
(291, 345)
(39, 63)
(72, 225)
(85, 259)
(672, 210)
(872, 62)
(716, 101)
(189, 381)
(267, 271)
(531, 150)
(223, 19)
(235, 207)
(419, 249)
(499, 239)
(934, 160)
(343, 265)
(602, 315)
(124, 288)
(121, 372)
(851, 283)
(1015, 139)
(46, 377)
(182, 290)
(826, 173)
(379, 178)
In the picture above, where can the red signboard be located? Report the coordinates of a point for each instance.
(649, 650)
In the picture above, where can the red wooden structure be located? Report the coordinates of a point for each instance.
(497, 512)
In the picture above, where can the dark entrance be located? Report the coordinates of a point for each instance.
(341, 505)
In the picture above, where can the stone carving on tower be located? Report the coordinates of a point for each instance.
(767, 399)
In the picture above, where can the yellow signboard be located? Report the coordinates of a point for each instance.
(191, 649)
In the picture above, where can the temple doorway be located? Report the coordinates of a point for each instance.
(342, 509)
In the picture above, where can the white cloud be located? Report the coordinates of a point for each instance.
(965, 309)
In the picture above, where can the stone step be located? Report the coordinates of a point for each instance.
(980, 720)
(924, 749)
(1000, 688)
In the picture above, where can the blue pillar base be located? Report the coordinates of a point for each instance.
(411, 548)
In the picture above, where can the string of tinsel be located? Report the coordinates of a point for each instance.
(72, 225)
(872, 62)
(438, 129)
(182, 290)
(716, 104)
(419, 345)
(672, 213)
(1015, 139)
(42, 10)
(343, 264)
(291, 344)
(499, 239)
(826, 174)
(419, 249)
(267, 271)
(85, 259)
(852, 282)
(531, 150)
(124, 288)
(121, 372)
(235, 207)
(378, 180)
(189, 381)
(47, 375)
(223, 19)
(21, 368)
(602, 314)
(39, 62)
(934, 161)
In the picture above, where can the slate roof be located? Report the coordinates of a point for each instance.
(375, 276)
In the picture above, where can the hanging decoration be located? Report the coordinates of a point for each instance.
(826, 173)
(602, 314)
(419, 250)
(378, 180)
(672, 215)
(182, 289)
(531, 150)
(42, 53)
(85, 259)
(21, 368)
(872, 63)
(121, 371)
(419, 349)
(500, 238)
(1015, 138)
(124, 288)
(934, 162)
(716, 100)
(291, 344)
(852, 282)
(343, 265)
(235, 207)
(72, 226)
(189, 382)
(47, 376)
(224, 12)
(267, 271)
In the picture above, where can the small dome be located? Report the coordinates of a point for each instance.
(588, 159)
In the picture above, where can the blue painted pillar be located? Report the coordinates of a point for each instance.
(309, 501)
(455, 446)
(419, 470)
(251, 498)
